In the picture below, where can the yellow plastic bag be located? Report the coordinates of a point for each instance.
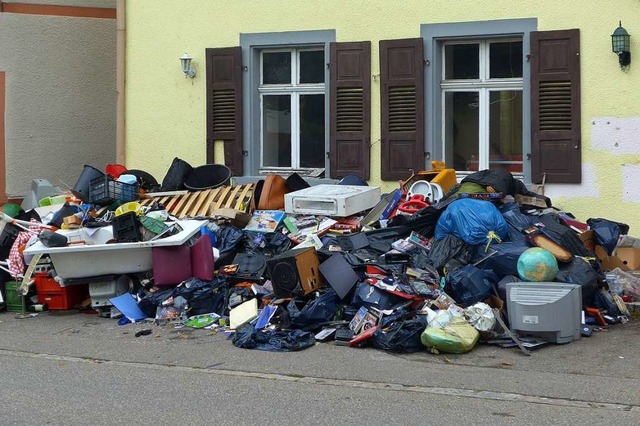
(456, 337)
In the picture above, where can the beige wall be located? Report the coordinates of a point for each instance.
(166, 114)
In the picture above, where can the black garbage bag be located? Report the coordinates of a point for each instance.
(562, 234)
(607, 232)
(248, 337)
(584, 273)
(150, 303)
(363, 256)
(228, 240)
(469, 285)
(204, 297)
(504, 182)
(505, 260)
(269, 244)
(423, 222)
(420, 259)
(316, 311)
(176, 175)
(400, 334)
(448, 249)
(381, 240)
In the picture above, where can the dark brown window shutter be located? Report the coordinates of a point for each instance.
(224, 105)
(350, 109)
(555, 106)
(402, 107)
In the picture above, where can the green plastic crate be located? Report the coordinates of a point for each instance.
(13, 299)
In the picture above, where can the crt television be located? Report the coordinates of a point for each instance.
(547, 310)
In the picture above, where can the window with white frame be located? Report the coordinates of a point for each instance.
(482, 104)
(292, 105)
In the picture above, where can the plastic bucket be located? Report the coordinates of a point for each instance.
(83, 185)
(207, 177)
(131, 206)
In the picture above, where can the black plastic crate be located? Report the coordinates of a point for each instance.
(8, 235)
(104, 191)
(126, 228)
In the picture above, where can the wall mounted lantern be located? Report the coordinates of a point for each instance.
(187, 69)
(620, 43)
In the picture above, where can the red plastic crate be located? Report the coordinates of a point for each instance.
(45, 283)
(58, 298)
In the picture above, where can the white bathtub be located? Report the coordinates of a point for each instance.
(94, 257)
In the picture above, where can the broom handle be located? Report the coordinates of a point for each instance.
(23, 223)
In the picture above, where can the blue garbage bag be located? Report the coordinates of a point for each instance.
(473, 221)
(517, 221)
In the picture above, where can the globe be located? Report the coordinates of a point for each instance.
(537, 264)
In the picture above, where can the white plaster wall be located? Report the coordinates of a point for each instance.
(60, 96)
(616, 135)
(587, 189)
(631, 183)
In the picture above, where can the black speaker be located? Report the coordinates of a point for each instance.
(294, 273)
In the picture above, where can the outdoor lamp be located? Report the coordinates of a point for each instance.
(187, 69)
(620, 42)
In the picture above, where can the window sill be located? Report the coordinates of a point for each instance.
(313, 181)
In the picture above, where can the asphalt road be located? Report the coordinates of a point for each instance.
(80, 369)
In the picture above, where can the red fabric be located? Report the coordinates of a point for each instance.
(16, 259)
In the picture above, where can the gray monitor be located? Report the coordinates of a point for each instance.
(547, 310)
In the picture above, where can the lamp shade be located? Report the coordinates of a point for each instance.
(185, 61)
(620, 40)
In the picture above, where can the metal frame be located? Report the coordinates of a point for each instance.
(435, 35)
(484, 85)
(294, 90)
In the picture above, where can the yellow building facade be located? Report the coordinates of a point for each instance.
(166, 113)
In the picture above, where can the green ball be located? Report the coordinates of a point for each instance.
(537, 264)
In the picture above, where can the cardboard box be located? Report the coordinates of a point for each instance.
(236, 217)
(524, 200)
(588, 238)
(625, 258)
(72, 220)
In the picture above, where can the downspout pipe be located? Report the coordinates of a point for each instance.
(120, 82)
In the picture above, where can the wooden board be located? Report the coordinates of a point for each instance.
(241, 198)
(188, 204)
(201, 203)
(222, 197)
